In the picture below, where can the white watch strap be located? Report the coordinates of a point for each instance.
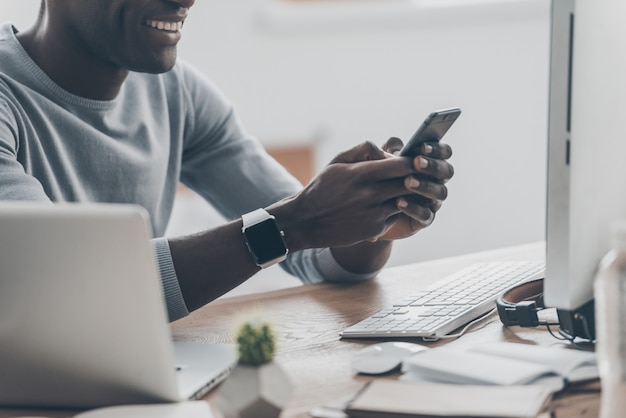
(254, 217)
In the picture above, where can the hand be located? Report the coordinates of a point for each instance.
(367, 193)
(428, 190)
(351, 200)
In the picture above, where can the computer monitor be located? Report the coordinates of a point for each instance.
(586, 188)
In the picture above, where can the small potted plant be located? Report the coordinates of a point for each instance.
(257, 386)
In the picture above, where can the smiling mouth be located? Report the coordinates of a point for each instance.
(165, 26)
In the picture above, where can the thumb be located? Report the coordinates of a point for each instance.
(365, 151)
(393, 145)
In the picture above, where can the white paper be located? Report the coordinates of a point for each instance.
(502, 364)
(190, 409)
(562, 360)
(435, 399)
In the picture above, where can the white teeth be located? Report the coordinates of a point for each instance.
(166, 26)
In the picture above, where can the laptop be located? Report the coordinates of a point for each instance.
(83, 321)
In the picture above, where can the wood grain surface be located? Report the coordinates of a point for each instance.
(308, 319)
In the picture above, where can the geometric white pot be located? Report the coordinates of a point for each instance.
(254, 392)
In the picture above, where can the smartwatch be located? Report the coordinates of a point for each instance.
(263, 238)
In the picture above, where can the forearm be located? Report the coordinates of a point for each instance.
(365, 257)
(208, 264)
(211, 263)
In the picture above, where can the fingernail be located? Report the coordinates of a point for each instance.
(414, 183)
(402, 203)
(422, 162)
(428, 149)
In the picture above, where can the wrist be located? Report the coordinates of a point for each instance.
(290, 220)
(264, 239)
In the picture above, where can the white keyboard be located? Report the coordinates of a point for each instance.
(448, 304)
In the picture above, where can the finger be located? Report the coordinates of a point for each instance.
(363, 152)
(427, 188)
(433, 204)
(437, 169)
(437, 150)
(392, 189)
(392, 215)
(393, 145)
(421, 214)
(382, 170)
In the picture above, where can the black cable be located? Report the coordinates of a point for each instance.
(561, 338)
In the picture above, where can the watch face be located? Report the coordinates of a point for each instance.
(265, 241)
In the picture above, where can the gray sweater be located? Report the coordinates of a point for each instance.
(161, 129)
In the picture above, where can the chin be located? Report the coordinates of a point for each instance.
(154, 69)
(155, 65)
(161, 69)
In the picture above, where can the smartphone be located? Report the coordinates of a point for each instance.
(432, 129)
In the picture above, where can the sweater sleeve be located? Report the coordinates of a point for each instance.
(318, 265)
(176, 307)
(15, 183)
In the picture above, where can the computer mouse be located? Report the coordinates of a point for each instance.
(384, 357)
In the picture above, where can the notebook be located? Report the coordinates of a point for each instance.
(83, 321)
(398, 399)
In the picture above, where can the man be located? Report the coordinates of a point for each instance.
(94, 107)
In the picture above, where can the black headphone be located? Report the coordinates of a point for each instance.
(520, 304)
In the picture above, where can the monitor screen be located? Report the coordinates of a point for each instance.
(586, 190)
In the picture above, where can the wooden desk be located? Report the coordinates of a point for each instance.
(308, 319)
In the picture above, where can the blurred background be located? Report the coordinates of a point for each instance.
(311, 78)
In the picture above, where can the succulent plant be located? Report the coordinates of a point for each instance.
(256, 344)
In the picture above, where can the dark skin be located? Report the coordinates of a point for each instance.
(362, 201)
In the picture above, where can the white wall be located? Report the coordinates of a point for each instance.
(352, 70)
(338, 76)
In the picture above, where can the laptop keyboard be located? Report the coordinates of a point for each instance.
(448, 304)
